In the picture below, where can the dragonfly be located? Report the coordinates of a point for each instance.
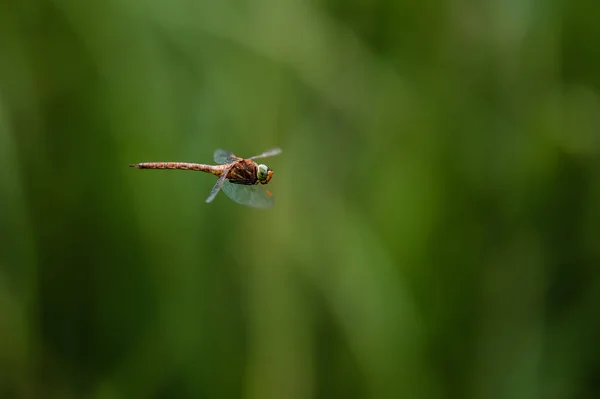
(242, 179)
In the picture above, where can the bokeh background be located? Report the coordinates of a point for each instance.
(436, 232)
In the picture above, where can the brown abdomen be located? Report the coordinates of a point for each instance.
(178, 165)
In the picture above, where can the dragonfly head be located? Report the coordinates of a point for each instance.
(263, 173)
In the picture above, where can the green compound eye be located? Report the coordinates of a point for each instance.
(262, 172)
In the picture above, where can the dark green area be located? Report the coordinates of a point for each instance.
(436, 232)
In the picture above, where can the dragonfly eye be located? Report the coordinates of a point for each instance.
(262, 172)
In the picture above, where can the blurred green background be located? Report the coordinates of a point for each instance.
(436, 232)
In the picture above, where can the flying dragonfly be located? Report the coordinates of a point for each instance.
(238, 177)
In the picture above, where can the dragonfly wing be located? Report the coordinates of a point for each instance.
(254, 195)
(217, 187)
(269, 153)
(224, 157)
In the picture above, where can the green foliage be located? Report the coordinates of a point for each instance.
(437, 221)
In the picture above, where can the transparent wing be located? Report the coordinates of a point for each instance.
(224, 157)
(269, 153)
(255, 196)
(217, 187)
